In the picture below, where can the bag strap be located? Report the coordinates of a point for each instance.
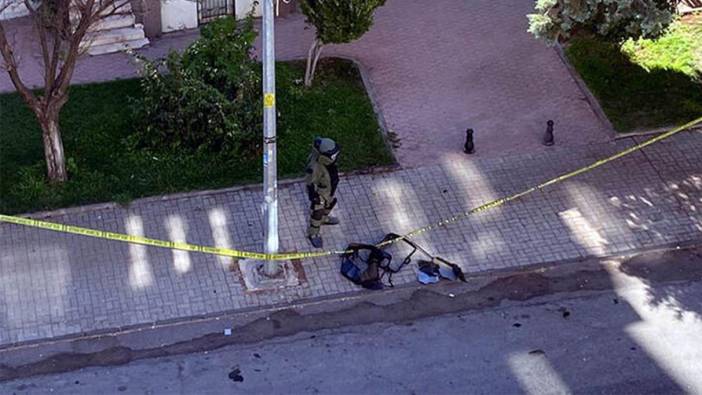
(455, 268)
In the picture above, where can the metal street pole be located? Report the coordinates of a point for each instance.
(270, 168)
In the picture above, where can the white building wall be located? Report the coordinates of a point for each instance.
(182, 14)
(16, 10)
(244, 6)
(178, 15)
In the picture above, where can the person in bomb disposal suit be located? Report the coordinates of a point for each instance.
(322, 178)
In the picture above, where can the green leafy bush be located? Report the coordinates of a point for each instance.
(611, 20)
(105, 165)
(206, 99)
(336, 22)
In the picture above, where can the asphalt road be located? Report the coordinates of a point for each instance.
(641, 336)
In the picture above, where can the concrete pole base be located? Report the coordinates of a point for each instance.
(253, 273)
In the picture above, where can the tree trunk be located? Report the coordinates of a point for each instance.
(315, 60)
(53, 148)
(312, 59)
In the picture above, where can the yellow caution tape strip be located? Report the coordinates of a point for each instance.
(501, 201)
(101, 234)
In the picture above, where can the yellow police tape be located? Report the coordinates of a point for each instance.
(101, 234)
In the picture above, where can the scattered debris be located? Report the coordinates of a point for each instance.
(565, 312)
(257, 355)
(235, 375)
(615, 300)
(517, 325)
(227, 331)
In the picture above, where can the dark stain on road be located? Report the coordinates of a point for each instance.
(235, 375)
(424, 302)
(564, 312)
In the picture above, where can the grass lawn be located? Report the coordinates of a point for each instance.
(645, 84)
(96, 122)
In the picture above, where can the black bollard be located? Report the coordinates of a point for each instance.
(469, 147)
(548, 136)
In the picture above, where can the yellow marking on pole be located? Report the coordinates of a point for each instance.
(268, 100)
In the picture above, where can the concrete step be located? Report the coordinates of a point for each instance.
(117, 47)
(689, 6)
(112, 36)
(114, 22)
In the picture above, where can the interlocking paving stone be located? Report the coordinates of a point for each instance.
(54, 284)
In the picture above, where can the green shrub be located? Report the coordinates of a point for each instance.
(208, 98)
(336, 22)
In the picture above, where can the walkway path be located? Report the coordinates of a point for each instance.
(54, 284)
(434, 74)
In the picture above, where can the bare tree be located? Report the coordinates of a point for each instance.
(62, 27)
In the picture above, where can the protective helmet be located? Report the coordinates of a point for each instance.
(327, 147)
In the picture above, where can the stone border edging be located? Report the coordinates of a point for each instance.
(370, 91)
(185, 195)
(620, 136)
(589, 97)
(365, 80)
(597, 109)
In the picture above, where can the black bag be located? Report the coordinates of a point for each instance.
(363, 264)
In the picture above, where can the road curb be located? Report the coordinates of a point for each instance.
(204, 333)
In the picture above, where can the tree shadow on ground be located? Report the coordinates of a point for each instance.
(677, 266)
(632, 97)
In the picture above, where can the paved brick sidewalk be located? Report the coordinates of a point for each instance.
(436, 69)
(54, 284)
